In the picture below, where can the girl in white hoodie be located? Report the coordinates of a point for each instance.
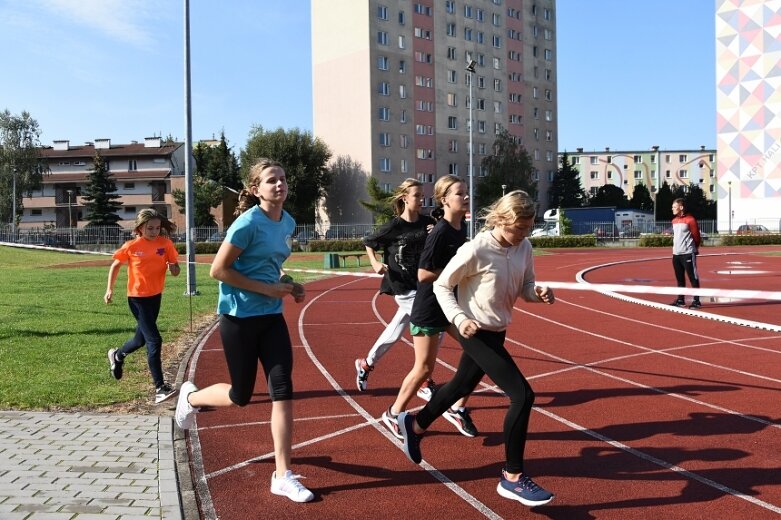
(490, 272)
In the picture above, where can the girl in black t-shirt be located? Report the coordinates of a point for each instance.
(401, 241)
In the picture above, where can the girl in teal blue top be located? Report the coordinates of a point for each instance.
(248, 266)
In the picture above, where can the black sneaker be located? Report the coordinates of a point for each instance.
(163, 392)
(462, 421)
(114, 365)
(695, 305)
(525, 491)
(411, 439)
(678, 303)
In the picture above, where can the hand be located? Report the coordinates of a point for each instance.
(545, 294)
(174, 269)
(298, 292)
(379, 267)
(468, 328)
(109, 294)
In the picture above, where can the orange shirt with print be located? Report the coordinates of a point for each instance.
(147, 262)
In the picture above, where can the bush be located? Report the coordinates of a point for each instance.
(336, 245)
(565, 241)
(655, 240)
(750, 240)
(201, 248)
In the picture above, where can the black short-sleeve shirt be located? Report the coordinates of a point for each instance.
(401, 243)
(441, 245)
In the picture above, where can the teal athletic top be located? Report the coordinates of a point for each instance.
(265, 246)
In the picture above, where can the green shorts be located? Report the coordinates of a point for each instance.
(425, 331)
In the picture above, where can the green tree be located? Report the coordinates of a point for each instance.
(100, 195)
(510, 166)
(664, 202)
(348, 184)
(20, 159)
(609, 195)
(207, 194)
(696, 202)
(641, 198)
(566, 191)
(305, 159)
(217, 163)
(380, 203)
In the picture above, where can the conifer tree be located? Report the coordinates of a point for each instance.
(101, 195)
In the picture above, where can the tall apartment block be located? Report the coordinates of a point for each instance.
(391, 88)
(651, 167)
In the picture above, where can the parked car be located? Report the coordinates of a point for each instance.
(629, 232)
(752, 229)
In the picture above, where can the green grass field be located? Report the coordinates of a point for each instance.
(55, 329)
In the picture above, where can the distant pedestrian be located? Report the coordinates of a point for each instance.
(252, 285)
(490, 272)
(686, 246)
(147, 256)
(401, 240)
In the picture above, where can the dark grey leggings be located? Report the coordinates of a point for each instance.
(484, 354)
(145, 310)
(264, 338)
(686, 265)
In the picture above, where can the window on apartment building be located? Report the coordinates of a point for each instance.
(452, 168)
(385, 139)
(423, 57)
(515, 119)
(423, 9)
(36, 212)
(576, 160)
(667, 158)
(547, 14)
(535, 51)
(653, 158)
(514, 56)
(515, 76)
(549, 115)
(402, 44)
(452, 122)
(548, 135)
(481, 148)
(402, 67)
(480, 59)
(403, 141)
(403, 168)
(497, 85)
(535, 93)
(593, 191)
(536, 133)
(480, 81)
(403, 116)
(480, 104)
(683, 158)
(667, 174)
(467, 11)
(594, 159)
(452, 145)
(497, 41)
(422, 33)
(382, 62)
(548, 55)
(481, 127)
(479, 14)
(403, 91)
(382, 12)
(451, 76)
(451, 53)
(129, 186)
(497, 107)
(132, 165)
(496, 19)
(468, 34)
(609, 159)
(385, 164)
(594, 175)
(401, 17)
(384, 88)
(384, 114)
(548, 156)
(130, 209)
(382, 37)
(497, 63)
(451, 99)
(637, 159)
(683, 174)
(548, 94)
(451, 30)
(450, 6)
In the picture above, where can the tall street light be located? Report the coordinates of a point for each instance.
(70, 214)
(470, 68)
(729, 207)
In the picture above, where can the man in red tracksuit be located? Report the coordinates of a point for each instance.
(686, 243)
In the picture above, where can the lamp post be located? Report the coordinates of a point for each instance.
(729, 206)
(470, 68)
(13, 203)
(504, 187)
(70, 214)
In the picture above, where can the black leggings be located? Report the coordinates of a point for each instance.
(686, 265)
(484, 354)
(145, 310)
(247, 340)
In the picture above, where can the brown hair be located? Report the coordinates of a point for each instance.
(145, 215)
(508, 209)
(442, 186)
(401, 191)
(246, 199)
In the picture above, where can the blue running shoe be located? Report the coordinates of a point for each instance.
(525, 491)
(411, 439)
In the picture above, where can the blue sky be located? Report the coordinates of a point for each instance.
(631, 74)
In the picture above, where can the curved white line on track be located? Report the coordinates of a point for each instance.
(452, 486)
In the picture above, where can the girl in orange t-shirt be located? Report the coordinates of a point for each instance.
(147, 256)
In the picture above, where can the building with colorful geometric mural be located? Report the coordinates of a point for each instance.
(748, 104)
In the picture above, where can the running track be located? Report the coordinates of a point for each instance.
(641, 411)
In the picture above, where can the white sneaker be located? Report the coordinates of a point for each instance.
(426, 391)
(289, 486)
(185, 412)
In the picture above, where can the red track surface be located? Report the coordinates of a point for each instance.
(640, 412)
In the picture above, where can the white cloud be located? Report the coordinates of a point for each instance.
(127, 21)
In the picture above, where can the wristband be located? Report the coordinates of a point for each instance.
(286, 279)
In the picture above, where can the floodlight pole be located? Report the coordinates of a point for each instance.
(729, 207)
(188, 176)
(470, 68)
